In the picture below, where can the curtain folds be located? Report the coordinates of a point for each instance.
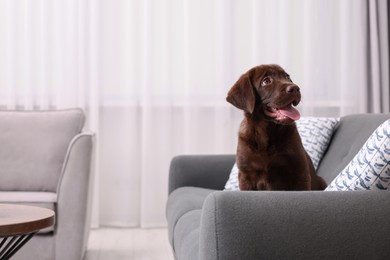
(377, 35)
(153, 75)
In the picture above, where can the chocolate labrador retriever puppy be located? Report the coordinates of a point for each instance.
(270, 154)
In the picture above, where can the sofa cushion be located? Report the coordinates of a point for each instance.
(39, 199)
(180, 202)
(186, 235)
(33, 147)
(315, 132)
(370, 168)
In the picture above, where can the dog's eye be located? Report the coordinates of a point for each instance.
(288, 77)
(266, 81)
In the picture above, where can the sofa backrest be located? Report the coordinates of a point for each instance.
(33, 146)
(350, 135)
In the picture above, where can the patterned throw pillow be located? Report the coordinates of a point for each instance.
(315, 133)
(369, 169)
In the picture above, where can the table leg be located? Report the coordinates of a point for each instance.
(10, 245)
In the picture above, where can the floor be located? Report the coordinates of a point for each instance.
(121, 244)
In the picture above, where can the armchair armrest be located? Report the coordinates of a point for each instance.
(74, 192)
(295, 225)
(206, 171)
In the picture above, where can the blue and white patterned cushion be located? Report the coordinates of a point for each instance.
(315, 133)
(232, 183)
(369, 169)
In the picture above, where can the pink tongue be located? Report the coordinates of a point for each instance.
(290, 112)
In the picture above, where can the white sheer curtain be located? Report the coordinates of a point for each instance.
(152, 76)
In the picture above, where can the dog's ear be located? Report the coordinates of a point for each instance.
(242, 94)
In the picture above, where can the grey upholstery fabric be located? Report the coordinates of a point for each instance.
(193, 170)
(58, 177)
(182, 201)
(186, 237)
(33, 147)
(278, 224)
(73, 203)
(37, 197)
(295, 225)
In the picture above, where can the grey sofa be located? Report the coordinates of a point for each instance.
(207, 223)
(45, 160)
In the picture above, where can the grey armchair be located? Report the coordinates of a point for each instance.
(45, 160)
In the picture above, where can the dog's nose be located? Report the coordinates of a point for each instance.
(292, 89)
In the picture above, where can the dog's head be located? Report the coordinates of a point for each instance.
(267, 91)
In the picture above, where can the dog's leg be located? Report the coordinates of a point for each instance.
(318, 183)
(247, 183)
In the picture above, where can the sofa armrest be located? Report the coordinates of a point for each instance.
(74, 195)
(206, 171)
(295, 225)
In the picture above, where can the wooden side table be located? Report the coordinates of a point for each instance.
(18, 224)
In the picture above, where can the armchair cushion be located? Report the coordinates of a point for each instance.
(34, 145)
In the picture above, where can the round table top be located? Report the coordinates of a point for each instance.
(20, 219)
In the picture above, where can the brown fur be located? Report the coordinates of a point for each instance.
(270, 154)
